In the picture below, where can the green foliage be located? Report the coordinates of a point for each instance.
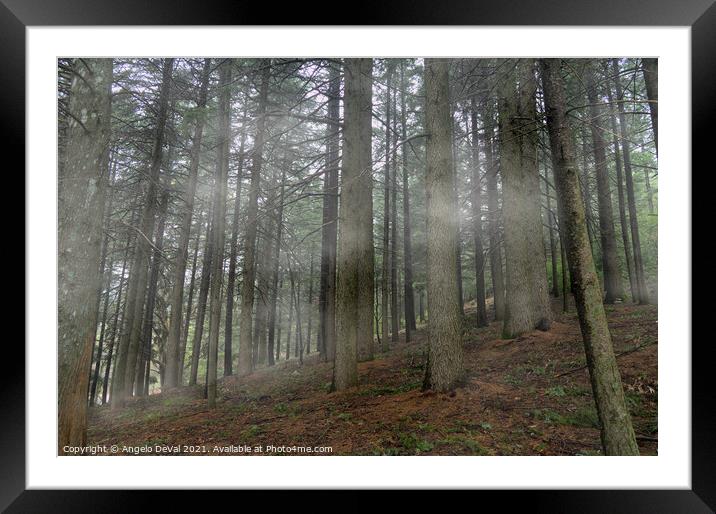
(585, 417)
(412, 443)
(474, 447)
(548, 416)
(556, 391)
(251, 432)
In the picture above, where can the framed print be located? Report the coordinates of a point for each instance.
(424, 249)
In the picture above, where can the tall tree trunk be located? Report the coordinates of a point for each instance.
(173, 372)
(624, 225)
(647, 178)
(421, 307)
(476, 191)
(123, 382)
(290, 313)
(275, 259)
(219, 222)
(121, 326)
(206, 268)
(327, 294)
(650, 68)
(498, 283)
(400, 301)
(407, 234)
(612, 276)
(264, 274)
(444, 366)
(642, 291)
(249, 269)
(530, 139)
(387, 256)
(616, 429)
(298, 346)
(144, 358)
(190, 299)
(376, 315)
(233, 251)
(528, 304)
(108, 283)
(148, 323)
(297, 308)
(115, 323)
(279, 321)
(394, 285)
(309, 306)
(355, 280)
(586, 187)
(565, 290)
(258, 312)
(81, 205)
(263, 281)
(458, 242)
(552, 240)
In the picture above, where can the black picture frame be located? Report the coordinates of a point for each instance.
(700, 15)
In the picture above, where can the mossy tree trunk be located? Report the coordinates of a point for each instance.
(616, 429)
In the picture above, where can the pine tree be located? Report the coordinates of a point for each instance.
(444, 368)
(81, 200)
(354, 286)
(527, 297)
(616, 428)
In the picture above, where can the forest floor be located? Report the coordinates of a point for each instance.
(524, 396)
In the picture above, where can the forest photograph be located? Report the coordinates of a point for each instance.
(357, 256)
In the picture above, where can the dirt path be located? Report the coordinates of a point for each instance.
(525, 396)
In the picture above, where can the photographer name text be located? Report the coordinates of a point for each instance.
(203, 449)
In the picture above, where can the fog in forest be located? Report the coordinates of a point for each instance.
(376, 256)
